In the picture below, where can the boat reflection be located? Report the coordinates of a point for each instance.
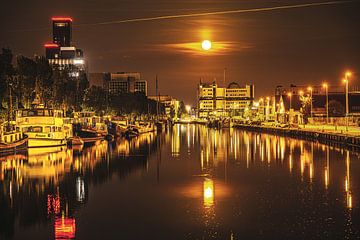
(217, 176)
(54, 182)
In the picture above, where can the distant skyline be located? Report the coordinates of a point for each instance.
(290, 46)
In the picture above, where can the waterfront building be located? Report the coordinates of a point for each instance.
(224, 101)
(60, 53)
(124, 82)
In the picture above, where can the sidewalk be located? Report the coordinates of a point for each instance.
(352, 130)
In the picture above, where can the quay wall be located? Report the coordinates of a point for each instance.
(350, 142)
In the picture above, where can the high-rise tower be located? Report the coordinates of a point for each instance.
(62, 31)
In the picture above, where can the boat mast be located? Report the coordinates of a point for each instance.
(10, 108)
(158, 98)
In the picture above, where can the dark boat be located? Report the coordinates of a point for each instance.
(131, 132)
(89, 136)
(14, 146)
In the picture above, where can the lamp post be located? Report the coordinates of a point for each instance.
(289, 95)
(261, 105)
(301, 94)
(346, 81)
(311, 101)
(327, 102)
(267, 110)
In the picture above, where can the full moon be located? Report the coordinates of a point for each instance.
(206, 45)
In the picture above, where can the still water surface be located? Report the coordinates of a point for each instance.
(188, 183)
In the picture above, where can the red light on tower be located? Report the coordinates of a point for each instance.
(62, 19)
(51, 45)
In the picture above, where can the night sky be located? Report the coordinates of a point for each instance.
(267, 48)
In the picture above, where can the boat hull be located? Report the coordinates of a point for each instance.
(14, 147)
(46, 142)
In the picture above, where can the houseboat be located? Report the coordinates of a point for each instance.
(11, 140)
(44, 127)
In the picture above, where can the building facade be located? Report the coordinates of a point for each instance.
(60, 53)
(223, 101)
(62, 31)
(124, 82)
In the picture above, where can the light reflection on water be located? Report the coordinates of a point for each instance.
(196, 182)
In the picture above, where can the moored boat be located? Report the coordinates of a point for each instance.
(44, 127)
(119, 125)
(89, 136)
(145, 127)
(12, 142)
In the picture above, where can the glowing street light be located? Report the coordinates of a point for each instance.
(188, 108)
(290, 95)
(325, 85)
(267, 110)
(310, 89)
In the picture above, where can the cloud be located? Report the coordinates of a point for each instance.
(194, 48)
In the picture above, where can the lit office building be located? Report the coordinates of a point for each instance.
(223, 101)
(124, 82)
(60, 53)
(62, 31)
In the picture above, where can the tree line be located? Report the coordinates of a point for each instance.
(22, 79)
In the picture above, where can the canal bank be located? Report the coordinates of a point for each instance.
(350, 142)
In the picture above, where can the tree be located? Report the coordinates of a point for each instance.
(95, 99)
(44, 78)
(82, 86)
(336, 109)
(181, 110)
(6, 72)
(27, 71)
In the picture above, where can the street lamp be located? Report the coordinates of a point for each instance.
(289, 95)
(346, 81)
(267, 110)
(325, 85)
(311, 100)
(188, 108)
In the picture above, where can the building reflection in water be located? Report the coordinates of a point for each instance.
(54, 181)
(64, 227)
(304, 158)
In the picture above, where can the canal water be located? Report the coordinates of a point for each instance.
(187, 183)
